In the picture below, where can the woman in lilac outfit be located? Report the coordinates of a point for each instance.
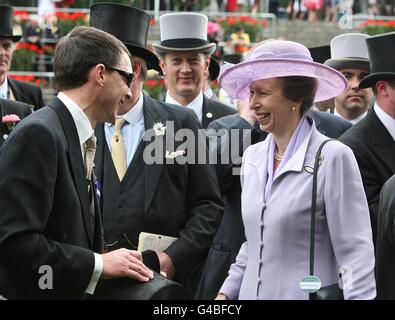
(281, 82)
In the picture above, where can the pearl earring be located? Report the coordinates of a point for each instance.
(293, 108)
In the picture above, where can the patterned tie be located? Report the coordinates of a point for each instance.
(90, 150)
(118, 151)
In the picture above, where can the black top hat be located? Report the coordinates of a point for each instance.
(130, 25)
(381, 50)
(234, 58)
(320, 54)
(6, 23)
(213, 69)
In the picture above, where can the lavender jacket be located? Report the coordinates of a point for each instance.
(272, 268)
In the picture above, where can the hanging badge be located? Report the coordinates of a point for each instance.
(310, 284)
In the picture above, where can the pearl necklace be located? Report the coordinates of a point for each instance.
(278, 157)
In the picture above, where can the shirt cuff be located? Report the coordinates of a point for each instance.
(97, 271)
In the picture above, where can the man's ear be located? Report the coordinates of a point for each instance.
(207, 67)
(97, 74)
(136, 66)
(162, 65)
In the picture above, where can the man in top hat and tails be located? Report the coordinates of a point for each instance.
(9, 88)
(349, 55)
(373, 138)
(167, 197)
(185, 58)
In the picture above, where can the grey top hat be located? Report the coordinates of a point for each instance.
(381, 52)
(6, 23)
(130, 25)
(184, 31)
(349, 50)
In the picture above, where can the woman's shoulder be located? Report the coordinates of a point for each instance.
(332, 149)
(257, 148)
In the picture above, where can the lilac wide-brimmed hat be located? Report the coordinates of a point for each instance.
(279, 58)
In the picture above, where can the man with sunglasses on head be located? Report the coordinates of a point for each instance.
(51, 238)
(167, 197)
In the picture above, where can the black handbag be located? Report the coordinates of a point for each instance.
(158, 288)
(332, 292)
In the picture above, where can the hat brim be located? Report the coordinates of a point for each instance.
(208, 49)
(235, 79)
(12, 37)
(148, 56)
(348, 63)
(371, 79)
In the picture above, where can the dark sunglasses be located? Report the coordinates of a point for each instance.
(128, 76)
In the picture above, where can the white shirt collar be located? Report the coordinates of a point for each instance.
(134, 115)
(353, 121)
(196, 104)
(209, 93)
(386, 119)
(4, 89)
(84, 127)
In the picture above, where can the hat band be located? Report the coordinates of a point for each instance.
(184, 43)
(271, 55)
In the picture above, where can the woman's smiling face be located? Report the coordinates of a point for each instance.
(273, 110)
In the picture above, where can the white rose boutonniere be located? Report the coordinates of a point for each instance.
(159, 129)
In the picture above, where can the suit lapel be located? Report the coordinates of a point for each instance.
(152, 114)
(15, 89)
(382, 142)
(208, 112)
(76, 161)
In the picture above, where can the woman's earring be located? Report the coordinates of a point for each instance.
(293, 108)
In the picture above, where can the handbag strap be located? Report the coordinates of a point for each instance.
(313, 205)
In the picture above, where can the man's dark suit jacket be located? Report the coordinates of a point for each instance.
(45, 216)
(8, 107)
(230, 235)
(374, 149)
(213, 110)
(179, 200)
(385, 245)
(26, 92)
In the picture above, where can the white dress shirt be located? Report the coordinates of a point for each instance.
(196, 104)
(4, 89)
(132, 131)
(353, 121)
(386, 119)
(85, 131)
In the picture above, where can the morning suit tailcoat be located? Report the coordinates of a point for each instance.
(275, 256)
(374, 149)
(26, 92)
(230, 235)
(213, 110)
(8, 107)
(385, 245)
(45, 218)
(166, 197)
